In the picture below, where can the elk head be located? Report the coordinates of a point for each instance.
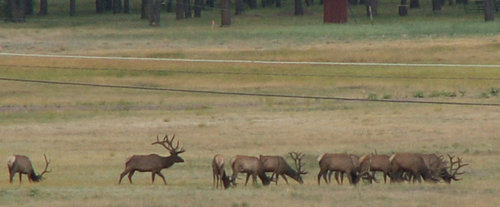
(39, 177)
(169, 145)
(297, 158)
(453, 172)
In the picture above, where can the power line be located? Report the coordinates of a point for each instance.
(256, 61)
(255, 74)
(245, 94)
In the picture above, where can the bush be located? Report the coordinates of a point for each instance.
(418, 94)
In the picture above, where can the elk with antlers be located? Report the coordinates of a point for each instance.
(278, 166)
(219, 174)
(22, 165)
(250, 165)
(411, 163)
(439, 168)
(343, 163)
(153, 163)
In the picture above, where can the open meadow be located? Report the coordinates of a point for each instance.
(89, 132)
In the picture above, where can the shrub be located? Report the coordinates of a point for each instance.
(418, 94)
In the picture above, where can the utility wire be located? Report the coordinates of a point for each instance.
(244, 73)
(246, 94)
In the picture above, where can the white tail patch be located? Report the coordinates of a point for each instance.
(362, 158)
(219, 160)
(321, 157)
(11, 160)
(232, 160)
(392, 157)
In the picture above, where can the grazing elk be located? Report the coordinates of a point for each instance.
(343, 163)
(411, 163)
(439, 168)
(219, 174)
(22, 165)
(250, 165)
(278, 166)
(373, 163)
(153, 163)
(355, 161)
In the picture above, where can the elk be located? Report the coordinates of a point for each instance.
(22, 165)
(278, 166)
(355, 161)
(375, 163)
(219, 174)
(153, 163)
(339, 163)
(250, 165)
(439, 169)
(411, 163)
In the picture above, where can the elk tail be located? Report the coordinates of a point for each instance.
(392, 157)
(321, 157)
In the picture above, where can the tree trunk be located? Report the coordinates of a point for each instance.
(489, 10)
(436, 5)
(239, 7)
(252, 4)
(278, 3)
(126, 6)
(211, 3)
(144, 6)
(29, 7)
(108, 5)
(153, 12)
(403, 8)
(170, 7)
(414, 4)
(197, 8)
(226, 13)
(72, 8)
(117, 6)
(43, 8)
(299, 9)
(187, 9)
(17, 10)
(371, 7)
(99, 6)
(179, 9)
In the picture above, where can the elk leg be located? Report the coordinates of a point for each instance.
(130, 174)
(126, 171)
(330, 176)
(153, 177)
(277, 177)
(246, 181)
(385, 177)
(337, 177)
(162, 177)
(284, 178)
(21, 177)
(254, 179)
(321, 173)
(11, 175)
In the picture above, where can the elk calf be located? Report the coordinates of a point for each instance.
(219, 174)
(153, 163)
(338, 162)
(22, 165)
(278, 166)
(250, 165)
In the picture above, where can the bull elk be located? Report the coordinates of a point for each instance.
(22, 165)
(343, 163)
(439, 169)
(219, 174)
(278, 166)
(153, 163)
(411, 163)
(250, 165)
(373, 163)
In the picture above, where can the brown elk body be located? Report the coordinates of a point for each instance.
(278, 166)
(340, 174)
(22, 165)
(411, 163)
(153, 163)
(342, 163)
(250, 165)
(375, 163)
(219, 174)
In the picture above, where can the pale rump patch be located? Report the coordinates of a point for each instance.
(321, 157)
(392, 157)
(363, 158)
(219, 160)
(232, 160)
(11, 160)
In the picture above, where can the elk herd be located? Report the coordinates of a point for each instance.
(398, 167)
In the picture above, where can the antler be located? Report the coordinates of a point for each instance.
(47, 162)
(297, 158)
(168, 144)
(454, 172)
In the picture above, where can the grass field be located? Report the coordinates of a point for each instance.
(89, 132)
